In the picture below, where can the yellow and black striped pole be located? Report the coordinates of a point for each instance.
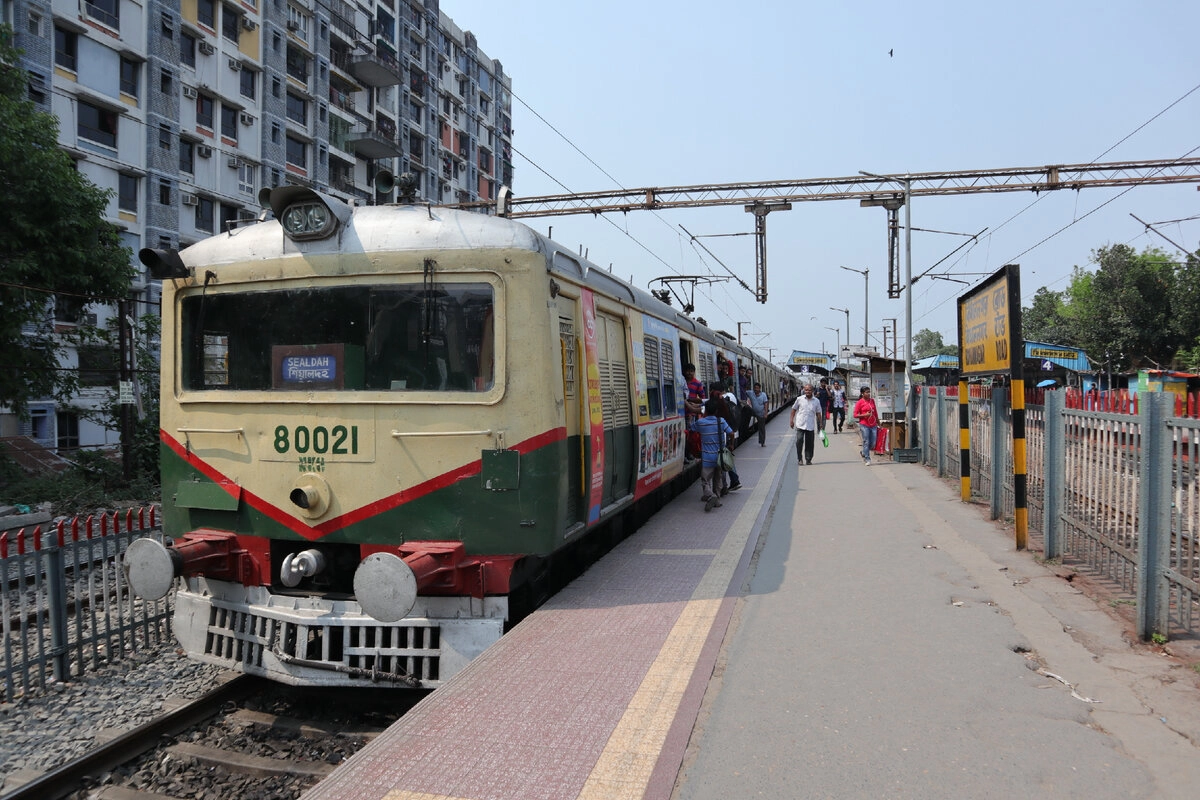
(964, 440)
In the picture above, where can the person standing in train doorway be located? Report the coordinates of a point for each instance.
(807, 418)
(759, 406)
(867, 416)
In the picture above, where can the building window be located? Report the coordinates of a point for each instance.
(204, 111)
(65, 43)
(164, 137)
(274, 133)
(187, 156)
(297, 23)
(246, 178)
(68, 430)
(164, 192)
(127, 194)
(229, 122)
(204, 214)
(97, 124)
(37, 89)
(276, 88)
(297, 109)
(187, 49)
(231, 24)
(229, 216)
(129, 77)
(33, 23)
(248, 81)
(98, 366)
(206, 13)
(106, 11)
(297, 153)
(164, 81)
(168, 27)
(297, 64)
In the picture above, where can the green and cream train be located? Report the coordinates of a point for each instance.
(384, 427)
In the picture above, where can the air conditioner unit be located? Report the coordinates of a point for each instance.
(232, 162)
(204, 151)
(89, 319)
(249, 24)
(207, 48)
(292, 25)
(247, 119)
(235, 65)
(189, 92)
(191, 200)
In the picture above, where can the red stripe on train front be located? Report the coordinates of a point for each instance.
(357, 515)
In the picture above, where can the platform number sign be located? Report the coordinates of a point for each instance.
(1047, 365)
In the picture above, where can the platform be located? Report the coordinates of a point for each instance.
(833, 630)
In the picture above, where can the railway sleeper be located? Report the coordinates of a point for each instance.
(244, 764)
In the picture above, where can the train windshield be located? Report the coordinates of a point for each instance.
(437, 337)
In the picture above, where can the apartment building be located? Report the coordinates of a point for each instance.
(186, 109)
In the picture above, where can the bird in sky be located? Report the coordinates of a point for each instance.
(890, 52)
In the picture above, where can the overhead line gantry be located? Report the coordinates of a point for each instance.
(760, 197)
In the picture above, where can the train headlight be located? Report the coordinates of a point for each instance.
(305, 213)
(307, 221)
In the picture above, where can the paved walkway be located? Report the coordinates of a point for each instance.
(832, 631)
(892, 644)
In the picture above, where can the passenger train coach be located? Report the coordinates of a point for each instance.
(383, 429)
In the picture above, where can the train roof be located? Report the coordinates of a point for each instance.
(406, 227)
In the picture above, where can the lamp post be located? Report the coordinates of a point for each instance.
(866, 296)
(838, 333)
(910, 404)
(845, 311)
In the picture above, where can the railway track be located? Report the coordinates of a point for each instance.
(246, 738)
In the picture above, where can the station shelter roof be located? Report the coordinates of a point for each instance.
(935, 362)
(803, 362)
(1071, 358)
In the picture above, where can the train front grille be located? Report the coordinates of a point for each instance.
(358, 648)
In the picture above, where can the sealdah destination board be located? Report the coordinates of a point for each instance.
(989, 324)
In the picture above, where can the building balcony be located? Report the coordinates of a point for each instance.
(380, 68)
(370, 142)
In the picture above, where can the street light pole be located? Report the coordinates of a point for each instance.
(845, 311)
(740, 324)
(837, 332)
(910, 405)
(866, 297)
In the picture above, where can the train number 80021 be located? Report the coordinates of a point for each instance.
(338, 440)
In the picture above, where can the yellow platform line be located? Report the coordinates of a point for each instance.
(623, 770)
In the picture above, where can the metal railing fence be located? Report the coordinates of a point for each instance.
(65, 604)
(1115, 492)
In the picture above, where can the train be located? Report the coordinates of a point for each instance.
(386, 428)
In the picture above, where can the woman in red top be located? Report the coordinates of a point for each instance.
(867, 416)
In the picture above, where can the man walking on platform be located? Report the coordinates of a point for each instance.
(759, 406)
(714, 431)
(807, 418)
(839, 407)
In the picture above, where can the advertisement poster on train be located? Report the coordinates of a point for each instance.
(595, 404)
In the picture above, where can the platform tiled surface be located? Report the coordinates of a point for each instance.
(592, 696)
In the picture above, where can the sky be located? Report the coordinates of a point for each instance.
(662, 93)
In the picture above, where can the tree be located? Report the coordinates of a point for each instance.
(928, 343)
(56, 247)
(1046, 319)
(1122, 313)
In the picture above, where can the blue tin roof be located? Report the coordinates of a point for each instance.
(936, 362)
(1071, 358)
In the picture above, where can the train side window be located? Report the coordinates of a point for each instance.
(653, 391)
(668, 379)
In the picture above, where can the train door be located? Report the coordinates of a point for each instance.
(574, 409)
(620, 434)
